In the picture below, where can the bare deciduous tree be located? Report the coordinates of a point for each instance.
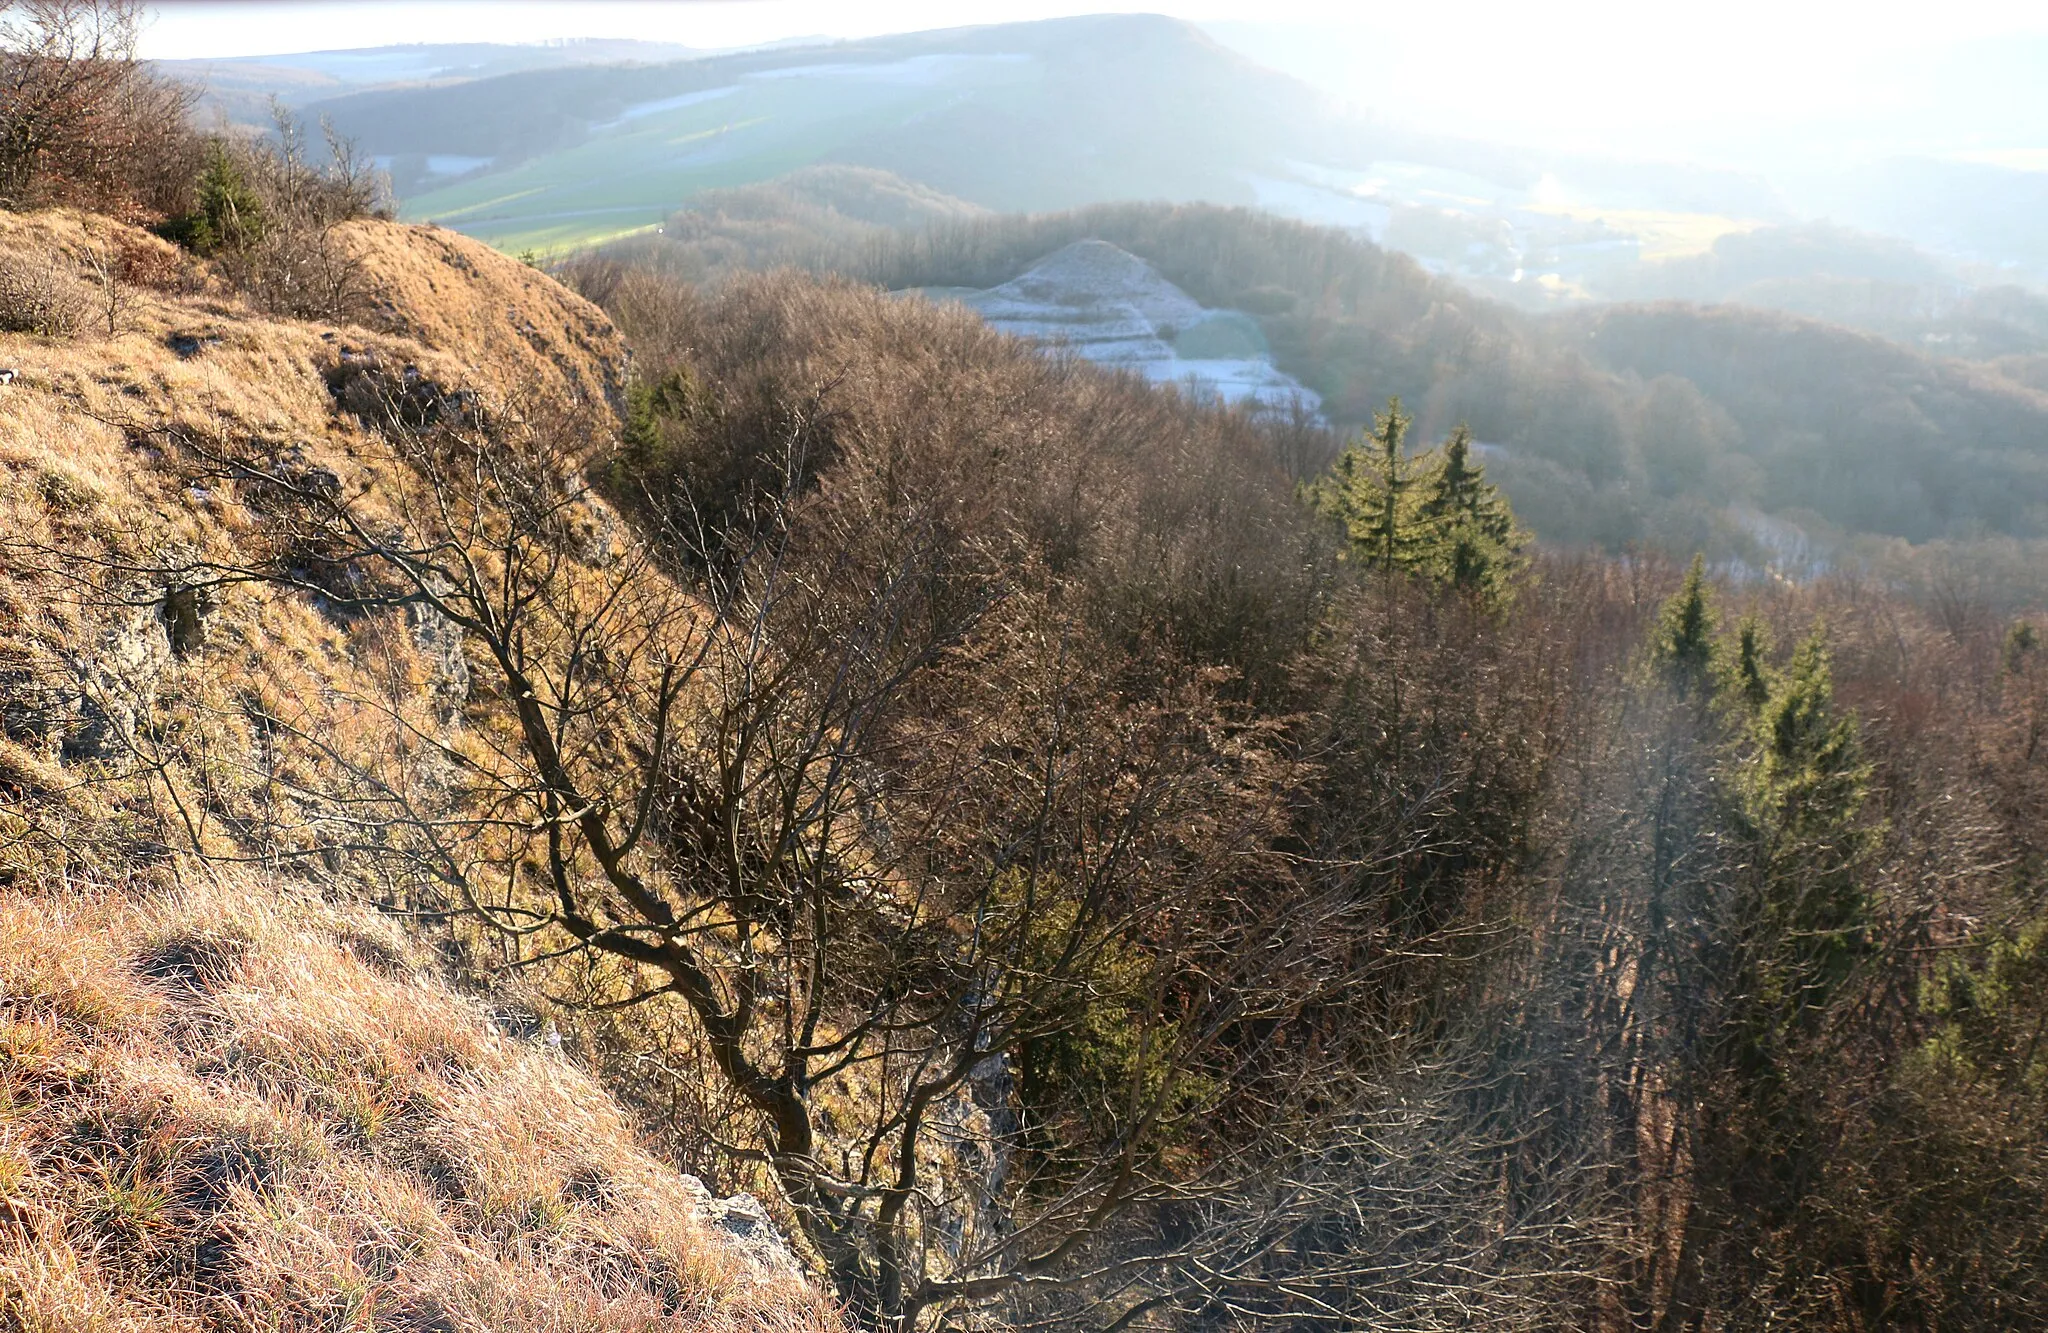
(105, 271)
(81, 120)
(870, 800)
(300, 266)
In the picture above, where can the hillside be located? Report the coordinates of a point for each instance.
(1041, 115)
(1865, 282)
(800, 219)
(240, 87)
(965, 800)
(1872, 436)
(580, 798)
(543, 148)
(1754, 435)
(229, 1104)
(232, 1093)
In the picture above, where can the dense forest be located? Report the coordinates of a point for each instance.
(1685, 931)
(1871, 283)
(1085, 857)
(1759, 437)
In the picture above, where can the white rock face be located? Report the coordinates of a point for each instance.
(1113, 308)
(117, 684)
(743, 1224)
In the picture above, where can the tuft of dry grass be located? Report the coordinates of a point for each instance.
(232, 1106)
(39, 294)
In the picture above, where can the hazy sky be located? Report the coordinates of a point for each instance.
(1667, 77)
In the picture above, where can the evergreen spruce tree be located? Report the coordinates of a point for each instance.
(658, 412)
(2021, 642)
(1434, 515)
(1370, 491)
(1473, 544)
(1683, 648)
(1805, 798)
(1751, 685)
(229, 214)
(1799, 928)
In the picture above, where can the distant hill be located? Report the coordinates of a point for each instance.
(1988, 213)
(807, 219)
(241, 87)
(2031, 371)
(1724, 428)
(1033, 116)
(861, 195)
(555, 148)
(1112, 107)
(1868, 434)
(1876, 284)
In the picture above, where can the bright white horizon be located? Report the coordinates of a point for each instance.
(1728, 81)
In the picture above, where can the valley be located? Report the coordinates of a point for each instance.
(1089, 672)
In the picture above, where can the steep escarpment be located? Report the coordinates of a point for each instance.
(234, 1093)
(965, 800)
(97, 473)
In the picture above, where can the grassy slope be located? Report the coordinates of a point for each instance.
(233, 1106)
(1036, 115)
(627, 179)
(224, 1104)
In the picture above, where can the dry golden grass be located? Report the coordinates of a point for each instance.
(525, 333)
(228, 1106)
(83, 472)
(464, 314)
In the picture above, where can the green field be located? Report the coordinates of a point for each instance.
(628, 176)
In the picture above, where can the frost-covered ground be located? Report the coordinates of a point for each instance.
(640, 110)
(1113, 308)
(1325, 205)
(938, 68)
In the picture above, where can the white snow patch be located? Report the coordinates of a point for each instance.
(1112, 308)
(916, 71)
(640, 109)
(438, 164)
(1324, 205)
(450, 164)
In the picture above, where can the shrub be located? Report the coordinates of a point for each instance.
(82, 121)
(266, 213)
(142, 263)
(39, 294)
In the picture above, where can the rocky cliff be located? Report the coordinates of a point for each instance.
(232, 1094)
